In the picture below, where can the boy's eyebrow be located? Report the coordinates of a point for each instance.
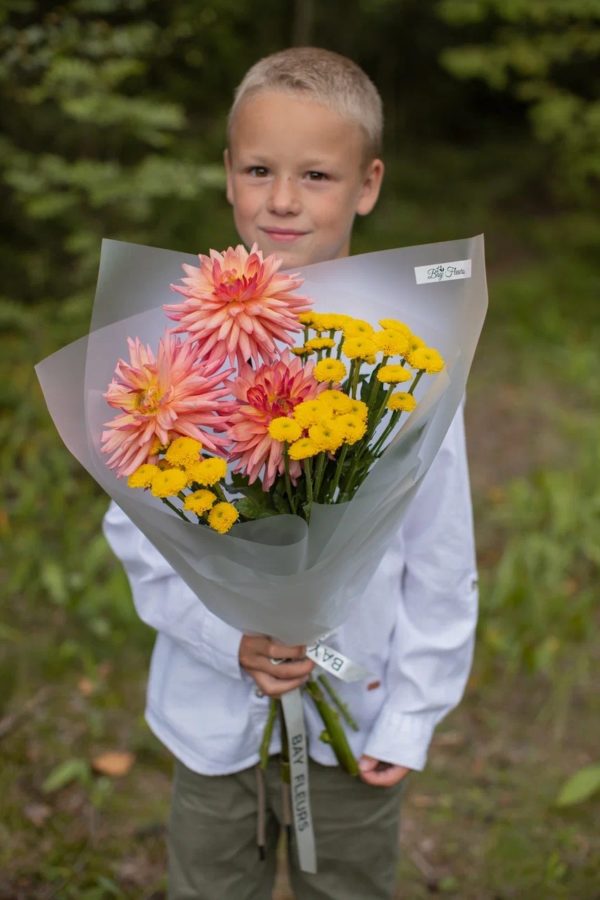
(260, 158)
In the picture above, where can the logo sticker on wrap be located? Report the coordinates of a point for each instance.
(449, 271)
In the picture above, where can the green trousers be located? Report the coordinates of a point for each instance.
(212, 837)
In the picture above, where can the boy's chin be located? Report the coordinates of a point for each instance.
(291, 258)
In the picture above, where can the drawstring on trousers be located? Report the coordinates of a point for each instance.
(261, 812)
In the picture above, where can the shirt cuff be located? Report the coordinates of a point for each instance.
(402, 739)
(222, 643)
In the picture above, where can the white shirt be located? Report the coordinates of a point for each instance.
(414, 631)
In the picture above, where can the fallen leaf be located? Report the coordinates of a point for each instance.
(86, 686)
(422, 801)
(114, 763)
(450, 739)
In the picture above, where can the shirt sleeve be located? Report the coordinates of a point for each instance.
(432, 643)
(166, 603)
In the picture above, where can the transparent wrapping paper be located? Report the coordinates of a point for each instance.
(280, 575)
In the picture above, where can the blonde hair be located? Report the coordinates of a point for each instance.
(325, 76)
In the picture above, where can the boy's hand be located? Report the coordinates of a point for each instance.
(257, 653)
(380, 774)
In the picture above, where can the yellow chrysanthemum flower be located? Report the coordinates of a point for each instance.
(306, 318)
(391, 343)
(329, 370)
(336, 401)
(200, 501)
(222, 516)
(300, 351)
(358, 408)
(359, 347)
(415, 343)
(426, 359)
(327, 435)
(183, 451)
(396, 325)
(317, 323)
(358, 328)
(303, 448)
(401, 401)
(320, 344)
(207, 471)
(143, 477)
(333, 321)
(393, 374)
(309, 412)
(284, 429)
(169, 482)
(353, 427)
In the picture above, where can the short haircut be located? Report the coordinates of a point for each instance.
(324, 76)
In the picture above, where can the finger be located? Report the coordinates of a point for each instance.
(367, 763)
(384, 777)
(275, 650)
(283, 671)
(275, 687)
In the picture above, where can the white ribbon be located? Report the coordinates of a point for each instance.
(299, 786)
(336, 663)
(341, 667)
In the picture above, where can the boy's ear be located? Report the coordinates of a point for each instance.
(371, 185)
(228, 176)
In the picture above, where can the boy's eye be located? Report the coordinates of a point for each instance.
(257, 171)
(316, 176)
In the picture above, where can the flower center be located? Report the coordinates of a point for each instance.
(270, 402)
(148, 400)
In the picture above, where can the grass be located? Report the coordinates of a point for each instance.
(481, 821)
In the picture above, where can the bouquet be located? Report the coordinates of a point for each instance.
(269, 449)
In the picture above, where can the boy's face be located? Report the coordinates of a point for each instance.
(296, 177)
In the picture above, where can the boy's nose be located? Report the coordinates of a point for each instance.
(283, 197)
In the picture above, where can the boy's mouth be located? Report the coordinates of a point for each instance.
(283, 234)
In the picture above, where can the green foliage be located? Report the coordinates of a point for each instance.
(580, 786)
(65, 773)
(545, 54)
(539, 600)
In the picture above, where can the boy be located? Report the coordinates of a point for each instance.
(302, 161)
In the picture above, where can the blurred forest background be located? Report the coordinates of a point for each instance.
(113, 118)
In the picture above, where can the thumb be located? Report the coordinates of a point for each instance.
(367, 763)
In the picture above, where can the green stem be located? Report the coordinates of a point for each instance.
(218, 490)
(337, 735)
(418, 377)
(285, 754)
(175, 509)
(338, 472)
(354, 372)
(345, 487)
(375, 383)
(386, 432)
(267, 734)
(338, 702)
(321, 460)
(307, 466)
(381, 408)
(288, 483)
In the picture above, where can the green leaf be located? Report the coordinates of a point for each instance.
(281, 504)
(250, 508)
(70, 770)
(580, 786)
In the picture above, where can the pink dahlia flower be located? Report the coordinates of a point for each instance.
(263, 394)
(237, 305)
(162, 398)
